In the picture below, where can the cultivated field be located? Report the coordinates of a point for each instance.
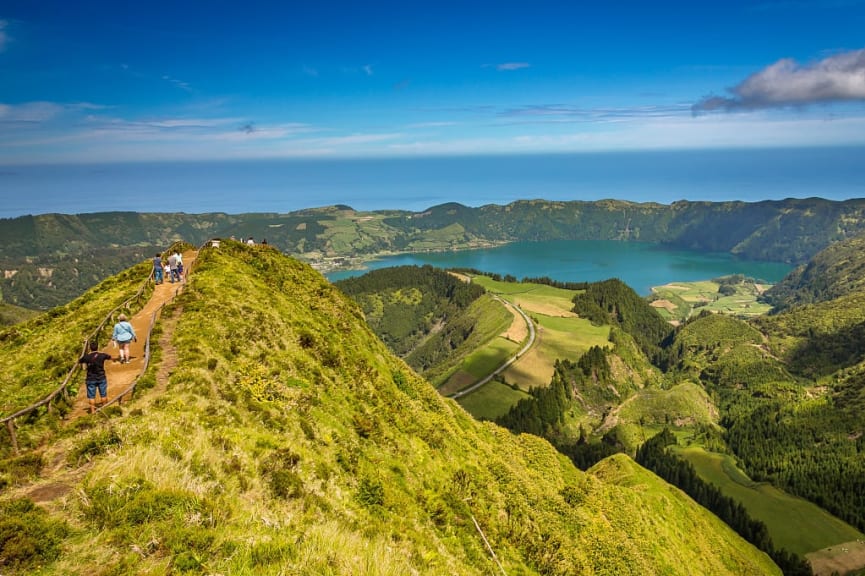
(678, 300)
(479, 364)
(560, 332)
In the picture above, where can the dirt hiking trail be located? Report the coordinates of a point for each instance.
(121, 376)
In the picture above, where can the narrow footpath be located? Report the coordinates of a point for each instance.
(121, 376)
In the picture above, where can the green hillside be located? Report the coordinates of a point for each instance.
(37, 353)
(11, 314)
(288, 439)
(51, 258)
(836, 271)
(430, 318)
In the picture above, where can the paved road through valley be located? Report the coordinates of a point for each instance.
(509, 361)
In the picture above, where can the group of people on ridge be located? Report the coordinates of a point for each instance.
(123, 335)
(173, 268)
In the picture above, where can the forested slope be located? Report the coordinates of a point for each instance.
(835, 271)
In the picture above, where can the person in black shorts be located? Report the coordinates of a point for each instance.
(95, 378)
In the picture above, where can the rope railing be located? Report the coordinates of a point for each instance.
(63, 388)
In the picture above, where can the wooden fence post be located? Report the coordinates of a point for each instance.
(10, 425)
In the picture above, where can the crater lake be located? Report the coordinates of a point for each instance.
(640, 265)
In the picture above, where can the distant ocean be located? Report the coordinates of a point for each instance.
(418, 183)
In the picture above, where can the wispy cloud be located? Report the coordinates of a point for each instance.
(571, 113)
(179, 83)
(29, 112)
(836, 78)
(512, 66)
(367, 69)
(310, 71)
(507, 66)
(4, 36)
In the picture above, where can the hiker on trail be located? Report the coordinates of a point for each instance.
(264, 242)
(172, 266)
(95, 378)
(179, 257)
(250, 241)
(123, 334)
(157, 268)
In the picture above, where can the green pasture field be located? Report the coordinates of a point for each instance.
(440, 239)
(526, 294)
(688, 297)
(491, 400)
(349, 235)
(484, 360)
(795, 524)
(492, 319)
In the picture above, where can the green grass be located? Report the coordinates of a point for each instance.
(557, 338)
(492, 400)
(484, 360)
(529, 293)
(11, 314)
(483, 347)
(795, 524)
(560, 333)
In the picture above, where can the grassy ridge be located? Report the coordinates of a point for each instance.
(291, 440)
(37, 354)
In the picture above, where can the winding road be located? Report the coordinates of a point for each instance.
(509, 361)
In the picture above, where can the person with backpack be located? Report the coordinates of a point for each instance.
(95, 378)
(123, 335)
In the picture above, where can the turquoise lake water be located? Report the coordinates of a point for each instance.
(640, 265)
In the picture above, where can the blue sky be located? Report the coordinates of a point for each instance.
(91, 81)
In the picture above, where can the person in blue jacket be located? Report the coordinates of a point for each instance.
(124, 334)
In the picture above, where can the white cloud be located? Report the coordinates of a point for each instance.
(30, 112)
(179, 83)
(840, 77)
(507, 66)
(367, 69)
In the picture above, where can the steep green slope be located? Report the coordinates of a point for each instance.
(836, 271)
(11, 314)
(290, 440)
